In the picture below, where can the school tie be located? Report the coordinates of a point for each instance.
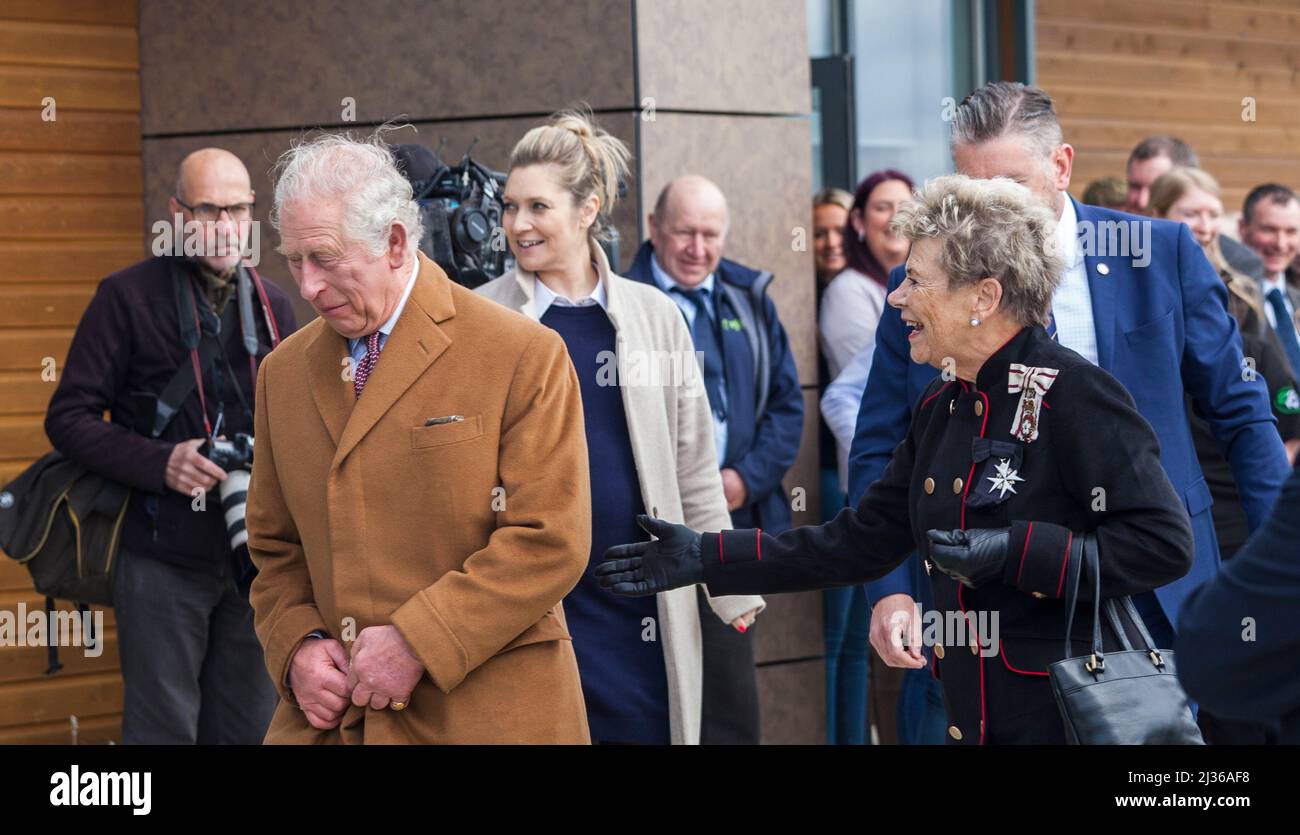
(1285, 329)
(705, 337)
(1051, 327)
(367, 363)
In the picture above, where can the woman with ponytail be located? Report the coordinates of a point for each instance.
(648, 425)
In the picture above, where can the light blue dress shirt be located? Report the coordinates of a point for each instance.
(667, 283)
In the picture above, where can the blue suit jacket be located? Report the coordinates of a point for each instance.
(1258, 589)
(1162, 329)
(759, 447)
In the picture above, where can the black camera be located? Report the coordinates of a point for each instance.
(462, 209)
(232, 455)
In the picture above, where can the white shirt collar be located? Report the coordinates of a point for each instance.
(544, 297)
(1275, 282)
(666, 282)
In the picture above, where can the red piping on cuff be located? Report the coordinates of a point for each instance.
(1028, 533)
(721, 561)
(1061, 582)
(758, 542)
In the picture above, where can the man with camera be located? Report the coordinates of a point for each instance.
(191, 664)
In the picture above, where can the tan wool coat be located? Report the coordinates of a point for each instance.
(465, 534)
(671, 430)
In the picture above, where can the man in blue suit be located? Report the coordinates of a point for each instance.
(1140, 300)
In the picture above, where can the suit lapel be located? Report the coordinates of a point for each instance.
(416, 341)
(1101, 289)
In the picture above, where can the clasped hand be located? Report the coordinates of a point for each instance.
(383, 669)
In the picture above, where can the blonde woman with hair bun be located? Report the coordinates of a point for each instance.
(648, 425)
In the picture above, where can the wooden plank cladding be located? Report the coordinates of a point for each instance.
(1223, 75)
(71, 212)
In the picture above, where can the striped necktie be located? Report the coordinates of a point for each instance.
(367, 363)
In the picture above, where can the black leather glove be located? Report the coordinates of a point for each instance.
(973, 556)
(645, 568)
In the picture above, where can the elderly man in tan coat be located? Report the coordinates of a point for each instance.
(420, 488)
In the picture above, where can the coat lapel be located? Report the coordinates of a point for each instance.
(416, 341)
(331, 391)
(1101, 289)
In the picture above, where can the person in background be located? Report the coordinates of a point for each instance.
(1155, 156)
(192, 668)
(847, 318)
(1149, 159)
(753, 392)
(853, 302)
(1270, 225)
(650, 445)
(830, 217)
(1108, 192)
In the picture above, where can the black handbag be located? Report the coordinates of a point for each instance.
(1130, 697)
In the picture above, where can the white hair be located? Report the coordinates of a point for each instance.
(362, 175)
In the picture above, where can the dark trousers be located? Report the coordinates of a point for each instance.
(192, 667)
(846, 627)
(730, 699)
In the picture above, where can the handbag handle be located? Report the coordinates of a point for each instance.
(1088, 555)
(1089, 559)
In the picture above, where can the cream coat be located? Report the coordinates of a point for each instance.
(671, 429)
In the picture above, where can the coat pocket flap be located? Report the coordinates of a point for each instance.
(440, 434)
(1197, 497)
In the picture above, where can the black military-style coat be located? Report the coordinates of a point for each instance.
(1044, 443)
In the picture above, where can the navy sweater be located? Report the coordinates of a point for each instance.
(615, 638)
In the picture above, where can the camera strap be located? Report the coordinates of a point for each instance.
(201, 334)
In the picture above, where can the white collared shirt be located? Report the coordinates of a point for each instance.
(357, 346)
(1072, 303)
(544, 297)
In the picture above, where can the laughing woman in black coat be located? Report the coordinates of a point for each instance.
(1017, 455)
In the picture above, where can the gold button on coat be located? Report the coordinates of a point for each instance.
(956, 485)
(974, 649)
(954, 732)
(938, 651)
(979, 408)
(929, 485)
(1103, 269)
(1039, 595)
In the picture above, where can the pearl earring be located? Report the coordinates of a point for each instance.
(974, 322)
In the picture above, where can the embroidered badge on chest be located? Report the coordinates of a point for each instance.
(999, 464)
(1031, 383)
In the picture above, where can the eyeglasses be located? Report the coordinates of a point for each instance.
(206, 212)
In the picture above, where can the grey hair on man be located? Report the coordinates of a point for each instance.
(1005, 107)
(989, 229)
(362, 175)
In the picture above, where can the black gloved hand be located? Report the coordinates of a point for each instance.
(972, 556)
(645, 568)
